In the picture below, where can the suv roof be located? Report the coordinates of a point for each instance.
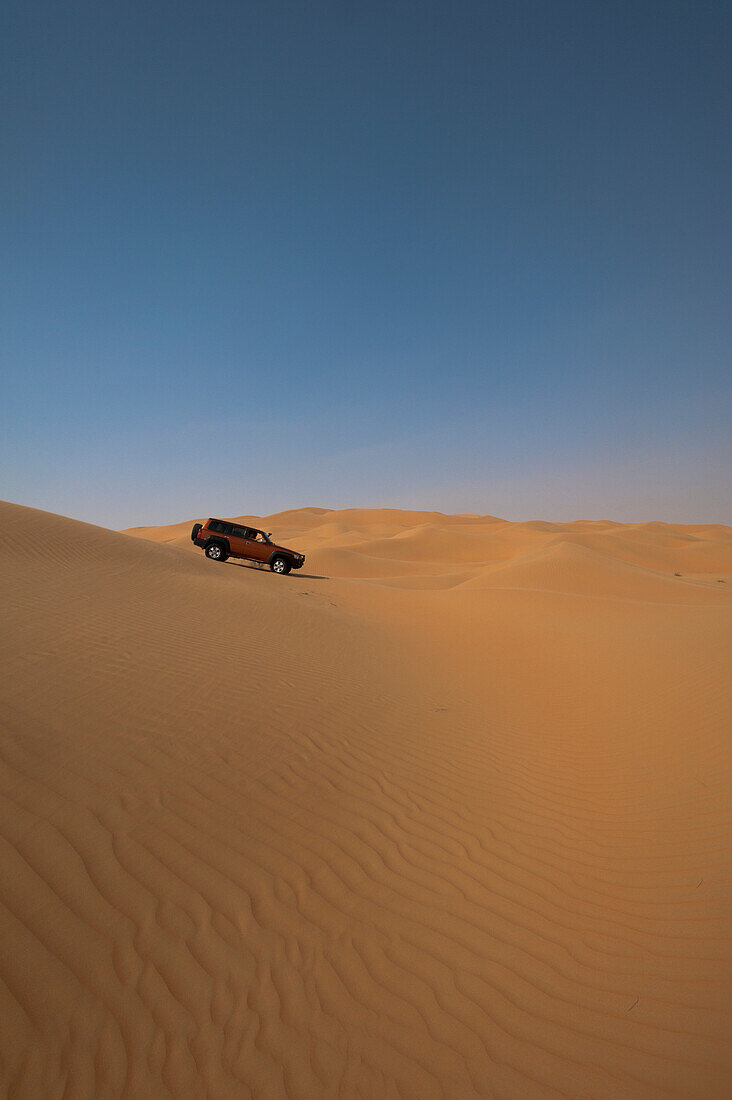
(235, 523)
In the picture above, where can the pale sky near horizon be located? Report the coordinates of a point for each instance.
(470, 257)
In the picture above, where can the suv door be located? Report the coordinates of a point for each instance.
(238, 541)
(258, 548)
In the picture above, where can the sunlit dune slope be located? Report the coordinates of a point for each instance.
(404, 542)
(445, 814)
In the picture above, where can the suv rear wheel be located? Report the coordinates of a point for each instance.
(216, 552)
(280, 565)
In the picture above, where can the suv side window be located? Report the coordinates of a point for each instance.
(219, 527)
(240, 532)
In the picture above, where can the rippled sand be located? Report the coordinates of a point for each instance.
(446, 814)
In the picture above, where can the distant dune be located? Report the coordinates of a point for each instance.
(446, 814)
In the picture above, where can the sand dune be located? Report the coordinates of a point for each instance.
(445, 815)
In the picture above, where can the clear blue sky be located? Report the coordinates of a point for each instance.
(470, 256)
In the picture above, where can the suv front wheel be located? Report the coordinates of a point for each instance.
(280, 565)
(216, 552)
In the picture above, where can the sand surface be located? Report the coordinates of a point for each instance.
(446, 814)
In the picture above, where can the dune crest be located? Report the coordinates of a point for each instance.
(445, 814)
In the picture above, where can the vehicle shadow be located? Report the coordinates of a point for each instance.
(295, 575)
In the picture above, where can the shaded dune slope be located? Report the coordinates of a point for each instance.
(454, 827)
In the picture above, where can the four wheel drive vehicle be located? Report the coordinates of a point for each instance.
(222, 539)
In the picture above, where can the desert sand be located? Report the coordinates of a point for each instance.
(446, 814)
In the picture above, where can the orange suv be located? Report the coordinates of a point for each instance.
(221, 539)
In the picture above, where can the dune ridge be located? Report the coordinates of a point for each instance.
(445, 815)
(411, 541)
